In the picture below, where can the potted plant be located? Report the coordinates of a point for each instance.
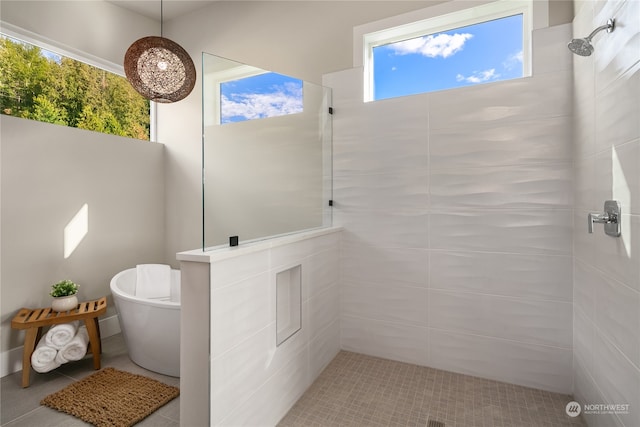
(64, 295)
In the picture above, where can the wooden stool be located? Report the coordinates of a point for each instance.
(34, 319)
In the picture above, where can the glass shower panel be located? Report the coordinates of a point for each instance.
(266, 153)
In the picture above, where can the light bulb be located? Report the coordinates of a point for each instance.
(162, 65)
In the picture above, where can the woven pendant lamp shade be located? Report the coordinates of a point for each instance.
(159, 69)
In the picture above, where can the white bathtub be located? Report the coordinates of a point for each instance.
(151, 327)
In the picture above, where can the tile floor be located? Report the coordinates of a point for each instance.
(358, 390)
(20, 407)
(354, 390)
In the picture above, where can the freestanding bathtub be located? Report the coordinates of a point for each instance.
(151, 327)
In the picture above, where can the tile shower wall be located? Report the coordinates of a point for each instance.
(253, 382)
(457, 215)
(606, 364)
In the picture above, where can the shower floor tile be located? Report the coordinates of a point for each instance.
(360, 390)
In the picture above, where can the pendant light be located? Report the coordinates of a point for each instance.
(159, 69)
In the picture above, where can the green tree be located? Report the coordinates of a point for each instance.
(46, 111)
(64, 91)
(24, 72)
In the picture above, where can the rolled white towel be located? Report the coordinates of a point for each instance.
(60, 335)
(43, 358)
(76, 349)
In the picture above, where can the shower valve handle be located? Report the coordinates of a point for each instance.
(610, 218)
(600, 218)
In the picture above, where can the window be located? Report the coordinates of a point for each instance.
(259, 96)
(41, 85)
(484, 44)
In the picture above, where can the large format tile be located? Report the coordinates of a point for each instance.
(583, 336)
(235, 269)
(384, 339)
(584, 248)
(271, 401)
(323, 348)
(388, 229)
(541, 186)
(546, 95)
(534, 322)
(237, 373)
(347, 86)
(545, 232)
(533, 140)
(524, 276)
(374, 192)
(584, 184)
(618, 379)
(388, 266)
(547, 43)
(240, 310)
(323, 309)
(616, 52)
(586, 392)
(585, 281)
(617, 309)
(544, 367)
(616, 107)
(320, 271)
(617, 176)
(391, 303)
(382, 137)
(617, 257)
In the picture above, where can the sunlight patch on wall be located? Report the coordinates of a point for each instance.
(75, 230)
(620, 191)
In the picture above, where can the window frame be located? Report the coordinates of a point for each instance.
(446, 22)
(45, 43)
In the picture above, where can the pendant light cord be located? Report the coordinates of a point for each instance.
(161, 18)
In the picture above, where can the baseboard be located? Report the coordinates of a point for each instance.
(11, 360)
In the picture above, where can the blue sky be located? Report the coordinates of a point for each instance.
(260, 96)
(480, 53)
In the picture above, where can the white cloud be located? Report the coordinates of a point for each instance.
(443, 45)
(512, 61)
(285, 99)
(479, 76)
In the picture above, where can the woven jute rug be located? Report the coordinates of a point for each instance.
(111, 397)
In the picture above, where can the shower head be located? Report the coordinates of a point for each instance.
(583, 47)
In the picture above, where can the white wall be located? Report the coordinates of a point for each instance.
(48, 173)
(606, 365)
(457, 216)
(252, 381)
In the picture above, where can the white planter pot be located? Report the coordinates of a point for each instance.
(64, 303)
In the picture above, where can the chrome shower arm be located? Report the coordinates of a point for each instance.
(608, 26)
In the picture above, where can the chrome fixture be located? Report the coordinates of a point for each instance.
(610, 218)
(583, 47)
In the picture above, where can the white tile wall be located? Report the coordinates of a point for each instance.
(396, 341)
(515, 275)
(607, 158)
(457, 215)
(515, 362)
(253, 381)
(539, 140)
